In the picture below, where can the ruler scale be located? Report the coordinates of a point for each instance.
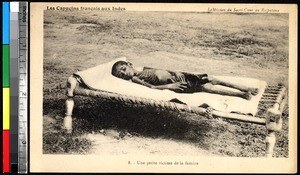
(23, 88)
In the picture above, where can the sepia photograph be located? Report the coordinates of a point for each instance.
(163, 86)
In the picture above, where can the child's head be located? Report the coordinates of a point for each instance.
(123, 69)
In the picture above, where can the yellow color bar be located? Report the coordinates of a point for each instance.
(6, 108)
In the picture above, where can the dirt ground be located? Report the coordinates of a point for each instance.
(249, 45)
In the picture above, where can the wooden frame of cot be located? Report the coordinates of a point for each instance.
(270, 110)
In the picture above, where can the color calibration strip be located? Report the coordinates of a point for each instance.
(15, 52)
(6, 85)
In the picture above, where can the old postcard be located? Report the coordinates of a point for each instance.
(175, 88)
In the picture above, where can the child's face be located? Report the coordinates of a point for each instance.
(125, 72)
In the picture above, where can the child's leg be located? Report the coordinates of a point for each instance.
(215, 81)
(208, 87)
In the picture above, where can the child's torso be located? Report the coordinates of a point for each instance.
(160, 77)
(193, 82)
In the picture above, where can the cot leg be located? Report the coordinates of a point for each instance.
(273, 124)
(67, 123)
(270, 143)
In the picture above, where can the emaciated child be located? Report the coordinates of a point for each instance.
(181, 82)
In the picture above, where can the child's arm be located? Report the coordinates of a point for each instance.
(171, 86)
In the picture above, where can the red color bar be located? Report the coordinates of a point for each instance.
(6, 150)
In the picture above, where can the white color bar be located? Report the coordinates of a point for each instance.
(14, 6)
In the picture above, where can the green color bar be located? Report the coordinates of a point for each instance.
(6, 69)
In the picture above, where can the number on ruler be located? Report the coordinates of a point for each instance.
(23, 94)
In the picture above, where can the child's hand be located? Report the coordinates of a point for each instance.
(177, 86)
(208, 112)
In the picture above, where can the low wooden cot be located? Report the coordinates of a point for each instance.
(271, 106)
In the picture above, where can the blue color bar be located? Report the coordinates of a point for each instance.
(5, 23)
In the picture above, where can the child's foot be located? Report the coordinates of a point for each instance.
(246, 95)
(254, 91)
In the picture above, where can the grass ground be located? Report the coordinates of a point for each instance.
(249, 45)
